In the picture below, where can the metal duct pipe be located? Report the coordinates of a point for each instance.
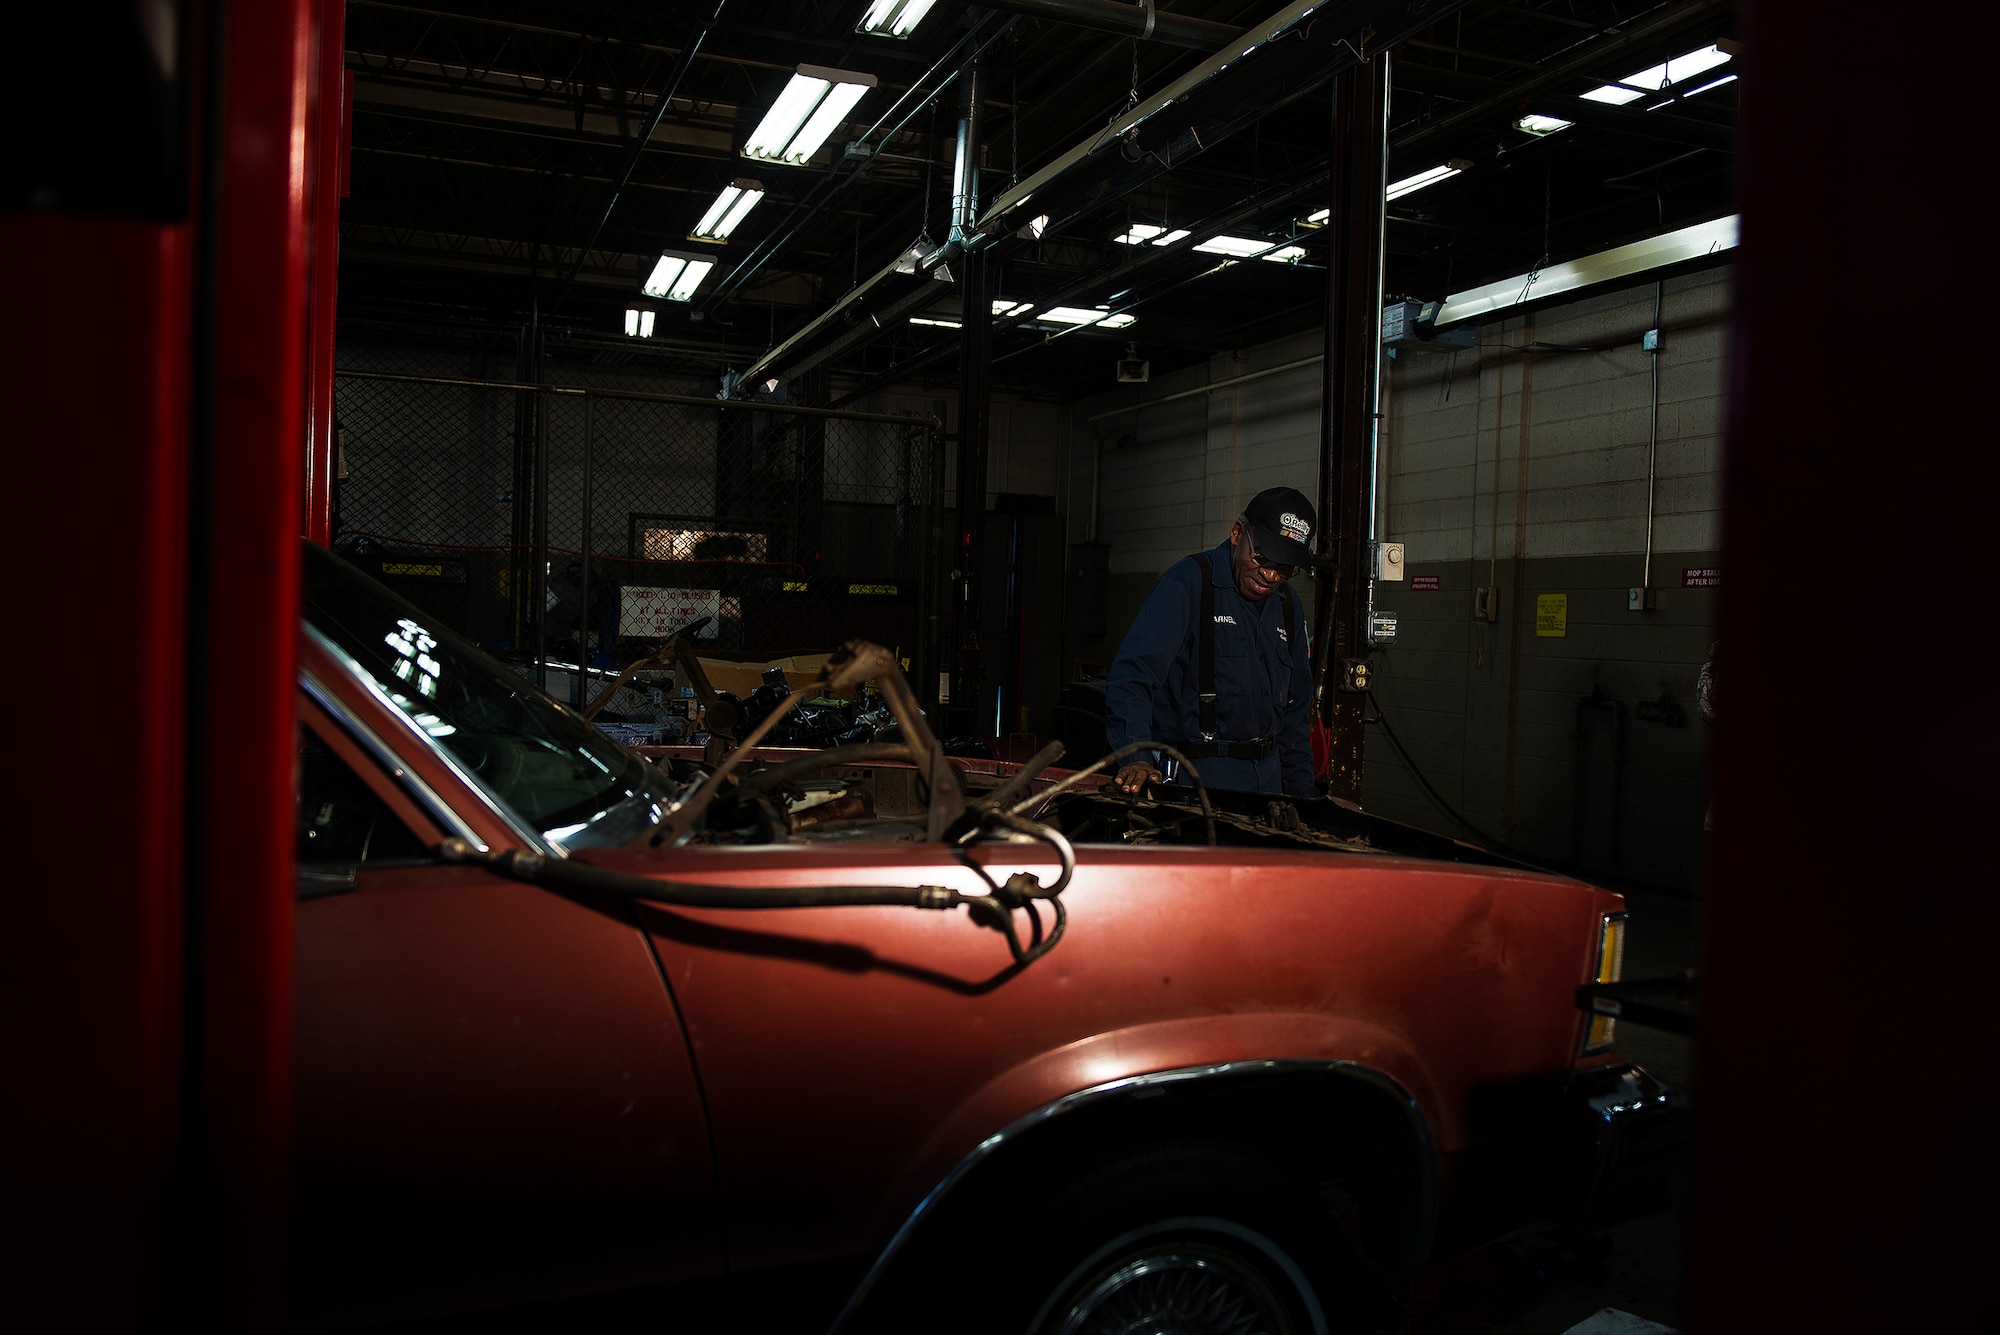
(965, 167)
(1144, 20)
(1270, 64)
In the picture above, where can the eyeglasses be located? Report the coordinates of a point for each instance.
(1281, 571)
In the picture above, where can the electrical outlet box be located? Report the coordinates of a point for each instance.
(1641, 599)
(1388, 560)
(1651, 340)
(1381, 627)
(1354, 674)
(1486, 602)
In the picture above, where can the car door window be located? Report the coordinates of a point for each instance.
(340, 820)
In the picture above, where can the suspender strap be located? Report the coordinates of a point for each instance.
(1205, 648)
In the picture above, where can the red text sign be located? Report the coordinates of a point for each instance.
(1424, 581)
(1701, 577)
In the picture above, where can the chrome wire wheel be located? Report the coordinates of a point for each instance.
(1185, 1277)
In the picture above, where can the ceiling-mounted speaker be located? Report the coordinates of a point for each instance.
(1133, 370)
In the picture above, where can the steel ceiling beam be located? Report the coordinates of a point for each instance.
(1271, 65)
(1148, 22)
(1583, 64)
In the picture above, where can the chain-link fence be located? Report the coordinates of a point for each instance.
(563, 525)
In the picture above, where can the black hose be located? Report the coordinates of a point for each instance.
(572, 875)
(1004, 794)
(1200, 788)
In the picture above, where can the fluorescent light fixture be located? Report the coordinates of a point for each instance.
(813, 103)
(631, 322)
(1319, 219)
(1538, 125)
(645, 324)
(1409, 185)
(1137, 233)
(1118, 321)
(1655, 252)
(676, 276)
(730, 208)
(893, 18)
(639, 319)
(1285, 254)
(1004, 308)
(1239, 246)
(942, 324)
(1712, 83)
(1179, 234)
(1635, 86)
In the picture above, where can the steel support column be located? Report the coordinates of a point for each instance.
(975, 392)
(1349, 377)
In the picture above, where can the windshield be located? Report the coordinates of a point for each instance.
(555, 772)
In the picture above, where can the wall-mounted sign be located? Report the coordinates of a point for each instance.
(654, 614)
(1425, 581)
(1701, 577)
(1552, 615)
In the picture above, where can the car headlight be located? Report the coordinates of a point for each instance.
(1610, 968)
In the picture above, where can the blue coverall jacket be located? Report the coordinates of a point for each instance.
(1263, 683)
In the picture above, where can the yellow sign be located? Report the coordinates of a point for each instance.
(793, 586)
(405, 568)
(1552, 615)
(889, 589)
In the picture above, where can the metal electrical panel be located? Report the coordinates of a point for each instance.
(1388, 560)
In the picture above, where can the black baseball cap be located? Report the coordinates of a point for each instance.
(1281, 521)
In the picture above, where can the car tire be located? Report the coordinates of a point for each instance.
(1206, 1239)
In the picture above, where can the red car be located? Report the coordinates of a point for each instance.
(913, 1045)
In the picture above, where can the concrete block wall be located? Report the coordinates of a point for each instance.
(1522, 464)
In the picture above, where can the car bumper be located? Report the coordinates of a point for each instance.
(1630, 1137)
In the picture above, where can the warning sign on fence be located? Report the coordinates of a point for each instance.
(654, 614)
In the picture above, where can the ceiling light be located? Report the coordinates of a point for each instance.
(631, 322)
(1635, 86)
(1676, 247)
(893, 18)
(1411, 184)
(1180, 234)
(1285, 254)
(942, 324)
(1239, 246)
(1070, 315)
(1319, 219)
(813, 103)
(1137, 233)
(1713, 83)
(729, 209)
(639, 319)
(1541, 125)
(1005, 308)
(676, 276)
(1118, 321)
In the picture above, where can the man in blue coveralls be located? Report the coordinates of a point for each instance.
(1233, 700)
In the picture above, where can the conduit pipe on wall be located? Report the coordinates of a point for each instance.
(1210, 388)
(1652, 444)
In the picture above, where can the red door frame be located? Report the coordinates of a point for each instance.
(155, 371)
(1844, 1161)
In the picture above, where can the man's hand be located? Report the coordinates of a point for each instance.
(1136, 776)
